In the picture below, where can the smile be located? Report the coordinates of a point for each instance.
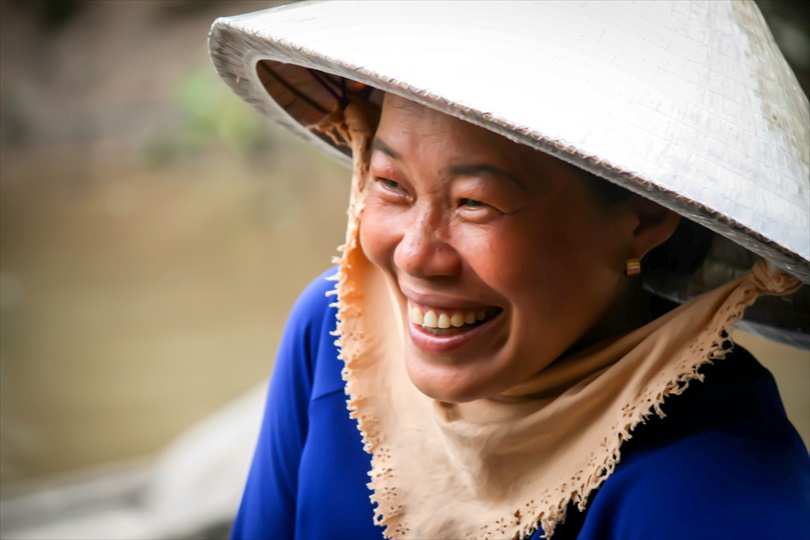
(441, 322)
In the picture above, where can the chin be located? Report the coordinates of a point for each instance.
(445, 383)
(446, 395)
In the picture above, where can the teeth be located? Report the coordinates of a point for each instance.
(431, 320)
(455, 319)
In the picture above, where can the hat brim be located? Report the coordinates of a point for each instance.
(736, 163)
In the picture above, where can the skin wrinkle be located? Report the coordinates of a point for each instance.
(455, 170)
(553, 261)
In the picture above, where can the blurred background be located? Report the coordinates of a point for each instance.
(154, 233)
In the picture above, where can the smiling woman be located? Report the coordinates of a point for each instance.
(509, 334)
(466, 222)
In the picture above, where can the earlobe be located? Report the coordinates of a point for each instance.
(655, 225)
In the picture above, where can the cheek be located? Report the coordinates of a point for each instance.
(572, 267)
(485, 253)
(505, 258)
(548, 263)
(378, 235)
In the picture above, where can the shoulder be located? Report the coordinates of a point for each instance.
(724, 463)
(313, 316)
(306, 341)
(314, 302)
(306, 358)
(308, 346)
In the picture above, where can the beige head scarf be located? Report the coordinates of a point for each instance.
(498, 468)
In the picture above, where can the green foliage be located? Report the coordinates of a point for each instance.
(211, 116)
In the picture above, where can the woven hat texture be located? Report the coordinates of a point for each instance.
(690, 104)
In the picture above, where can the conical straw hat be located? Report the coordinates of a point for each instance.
(690, 104)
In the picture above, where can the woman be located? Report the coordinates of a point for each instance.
(507, 370)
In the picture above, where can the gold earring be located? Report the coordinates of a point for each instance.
(633, 267)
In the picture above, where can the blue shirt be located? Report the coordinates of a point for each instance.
(724, 463)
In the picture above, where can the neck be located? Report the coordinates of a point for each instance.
(631, 309)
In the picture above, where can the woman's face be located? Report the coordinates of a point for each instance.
(501, 259)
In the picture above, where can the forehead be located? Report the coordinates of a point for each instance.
(409, 126)
(398, 112)
(421, 139)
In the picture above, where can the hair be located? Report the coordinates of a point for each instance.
(680, 255)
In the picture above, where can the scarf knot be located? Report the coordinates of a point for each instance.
(767, 278)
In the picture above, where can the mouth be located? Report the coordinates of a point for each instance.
(448, 322)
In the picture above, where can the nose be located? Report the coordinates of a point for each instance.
(424, 251)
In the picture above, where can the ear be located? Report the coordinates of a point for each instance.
(654, 225)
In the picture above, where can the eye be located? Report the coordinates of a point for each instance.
(476, 211)
(390, 191)
(471, 203)
(390, 184)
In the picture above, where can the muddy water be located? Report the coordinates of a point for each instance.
(139, 289)
(136, 300)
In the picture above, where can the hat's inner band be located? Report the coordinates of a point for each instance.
(308, 95)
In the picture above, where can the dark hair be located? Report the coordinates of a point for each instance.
(680, 255)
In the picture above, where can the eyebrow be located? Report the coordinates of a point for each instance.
(455, 170)
(477, 170)
(379, 144)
